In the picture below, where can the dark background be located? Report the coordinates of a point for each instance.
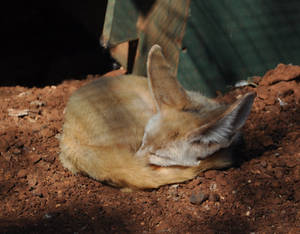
(45, 42)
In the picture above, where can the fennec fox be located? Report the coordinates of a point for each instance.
(140, 133)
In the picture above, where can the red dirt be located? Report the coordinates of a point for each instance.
(260, 195)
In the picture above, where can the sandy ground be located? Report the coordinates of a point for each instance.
(260, 195)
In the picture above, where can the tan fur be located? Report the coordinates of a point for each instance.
(117, 129)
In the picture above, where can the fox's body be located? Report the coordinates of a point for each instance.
(139, 133)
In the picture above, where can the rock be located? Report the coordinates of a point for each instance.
(278, 173)
(198, 198)
(262, 92)
(16, 151)
(47, 216)
(4, 145)
(269, 167)
(22, 173)
(46, 132)
(35, 158)
(263, 164)
(194, 183)
(163, 227)
(211, 174)
(256, 79)
(18, 113)
(296, 173)
(297, 195)
(259, 195)
(275, 184)
(37, 103)
(291, 164)
(32, 180)
(267, 141)
(281, 73)
(49, 158)
(220, 179)
(213, 187)
(214, 197)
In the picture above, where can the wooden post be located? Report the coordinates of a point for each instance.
(165, 26)
(160, 22)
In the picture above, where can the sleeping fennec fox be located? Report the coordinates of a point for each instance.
(140, 133)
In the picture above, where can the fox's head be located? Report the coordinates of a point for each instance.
(187, 127)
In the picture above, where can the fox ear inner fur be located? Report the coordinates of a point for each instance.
(163, 85)
(230, 122)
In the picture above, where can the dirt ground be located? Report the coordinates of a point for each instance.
(260, 195)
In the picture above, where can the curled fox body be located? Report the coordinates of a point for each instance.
(140, 133)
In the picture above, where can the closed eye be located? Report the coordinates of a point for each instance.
(197, 142)
(160, 155)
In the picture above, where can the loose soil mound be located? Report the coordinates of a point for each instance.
(261, 194)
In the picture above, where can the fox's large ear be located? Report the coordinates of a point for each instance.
(228, 124)
(165, 88)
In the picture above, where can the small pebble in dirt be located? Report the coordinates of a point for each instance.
(267, 141)
(211, 174)
(221, 180)
(263, 164)
(214, 197)
(37, 103)
(32, 181)
(275, 184)
(16, 151)
(277, 154)
(213, 187)
(47, 216)
(4, 145)
(198, 198)
(18, 113)
(291, 164)
(22, 173)
(297, 195)
(22, 94)
(174, 186)
(281, 102)
(278, 174)
(297, 173)
(35, 158)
